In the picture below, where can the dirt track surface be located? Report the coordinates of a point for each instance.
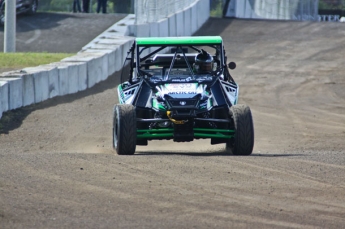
(58, 170)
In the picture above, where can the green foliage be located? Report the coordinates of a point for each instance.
(216, 8)
(55, 5)
(325, 5)
(110, 6)
(22, 60)
(67, 5)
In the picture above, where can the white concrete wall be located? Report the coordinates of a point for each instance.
(182, 23)
(274, 9)
(98, 60)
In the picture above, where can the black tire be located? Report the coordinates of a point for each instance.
(243, 142)
(124, 129)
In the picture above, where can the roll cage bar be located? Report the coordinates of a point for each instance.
(137, 62)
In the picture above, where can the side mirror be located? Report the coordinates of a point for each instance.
(232, 65)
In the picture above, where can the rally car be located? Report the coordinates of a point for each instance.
(180, 89)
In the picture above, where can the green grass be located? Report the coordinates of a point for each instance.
(22, 60)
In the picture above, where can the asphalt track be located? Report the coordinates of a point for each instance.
(58, 32)
(58, 169)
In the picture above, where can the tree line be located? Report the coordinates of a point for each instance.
(113, 6)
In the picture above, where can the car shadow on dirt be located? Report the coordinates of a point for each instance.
(210, 154)
(213, 27)
(13, 119)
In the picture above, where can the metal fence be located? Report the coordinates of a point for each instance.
(147, 11)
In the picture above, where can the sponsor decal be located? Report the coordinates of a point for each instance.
(182, 79)
(181, 92)
(185, 88)
(181, 86)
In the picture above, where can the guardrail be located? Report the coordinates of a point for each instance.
(98, 60)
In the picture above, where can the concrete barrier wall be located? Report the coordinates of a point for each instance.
(276, 10)
(182, 23)
(98, 60)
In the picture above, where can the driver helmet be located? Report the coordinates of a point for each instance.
(203, 62)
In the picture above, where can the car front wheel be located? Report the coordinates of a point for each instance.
(243, 141)
(124, 129)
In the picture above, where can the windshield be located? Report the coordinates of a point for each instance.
(179, 62)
